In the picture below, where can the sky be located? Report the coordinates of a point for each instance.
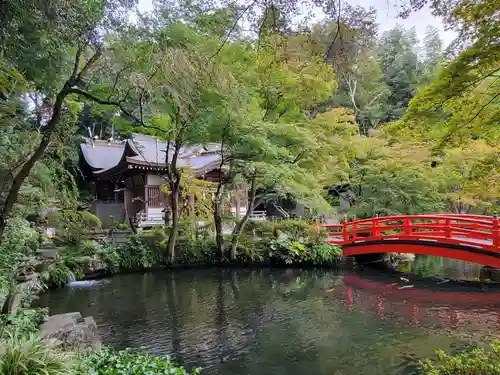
(386, 17)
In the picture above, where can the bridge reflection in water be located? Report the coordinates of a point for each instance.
(473, 311)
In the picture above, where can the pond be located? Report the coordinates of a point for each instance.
(285, 321)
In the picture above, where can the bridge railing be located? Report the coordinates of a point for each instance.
(474, 230)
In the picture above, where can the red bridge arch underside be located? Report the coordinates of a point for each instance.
(471, 238)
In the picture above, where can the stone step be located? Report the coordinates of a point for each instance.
(49, 253)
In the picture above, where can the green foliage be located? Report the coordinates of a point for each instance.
(91, 247)
(287, 251)
(73, 225)
(261, 228)
(116, 225)
(137, 253)
(286, 242)
(57, 274)
(191, 251)
(26, 322)
(253, 250)
(322, 253)
(30, 355)
(300, 230)
(21, 237)
(395, 180)
(111, 257)
(475, 362)
(109, 362)
(19, 242)
(399, 63)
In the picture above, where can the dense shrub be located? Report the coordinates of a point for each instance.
(72, 225)
(30, 355)
(284, 250)
(321, 253)
(110, 255)
(286, 242)
(298, 230)
(20, 237)
(260, 228)
(57, 274)
(137, 253)
(192, 251)
(283, 242)
(26, 322)
(475, 362)
(253, 250)
(109, 362)
(154, 238)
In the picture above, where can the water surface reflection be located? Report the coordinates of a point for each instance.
(277, 321)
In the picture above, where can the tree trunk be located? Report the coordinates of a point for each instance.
(238, 229)
(218, 228)
(216, 207)
(25, 170)
(174, 228)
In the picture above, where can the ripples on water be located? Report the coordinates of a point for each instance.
(283, 321)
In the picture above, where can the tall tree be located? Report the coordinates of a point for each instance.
(395, 180)
(432, 49)
(349, 45)
(54, 47)
(398, 60)
(463, 101)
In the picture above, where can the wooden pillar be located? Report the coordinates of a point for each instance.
(146, 198)
(125, 204)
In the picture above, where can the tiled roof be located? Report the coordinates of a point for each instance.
(101, 155)
(148, 151)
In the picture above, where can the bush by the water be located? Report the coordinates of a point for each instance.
(284, 242)
(28, 354)
(110, 362)
(475, 362)
(22, 354)
(287, 242)
(25, 322)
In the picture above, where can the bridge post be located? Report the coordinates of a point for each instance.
(495, 231)
(376, 230)
(407, 226)
(345, 230)
(447, 229)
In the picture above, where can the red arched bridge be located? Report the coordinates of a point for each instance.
(472, 238)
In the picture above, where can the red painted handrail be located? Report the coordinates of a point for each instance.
(473, 230)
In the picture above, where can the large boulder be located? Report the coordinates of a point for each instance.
(92, 265)
(71, 331)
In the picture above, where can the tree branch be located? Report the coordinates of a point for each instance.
(89, 64)
(232, 29)
(118, 104)
(79, 52)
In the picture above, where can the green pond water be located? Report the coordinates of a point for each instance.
(288, 321)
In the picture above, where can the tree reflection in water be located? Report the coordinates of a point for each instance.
(282, 321)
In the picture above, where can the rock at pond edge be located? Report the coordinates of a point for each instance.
(71, 331)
